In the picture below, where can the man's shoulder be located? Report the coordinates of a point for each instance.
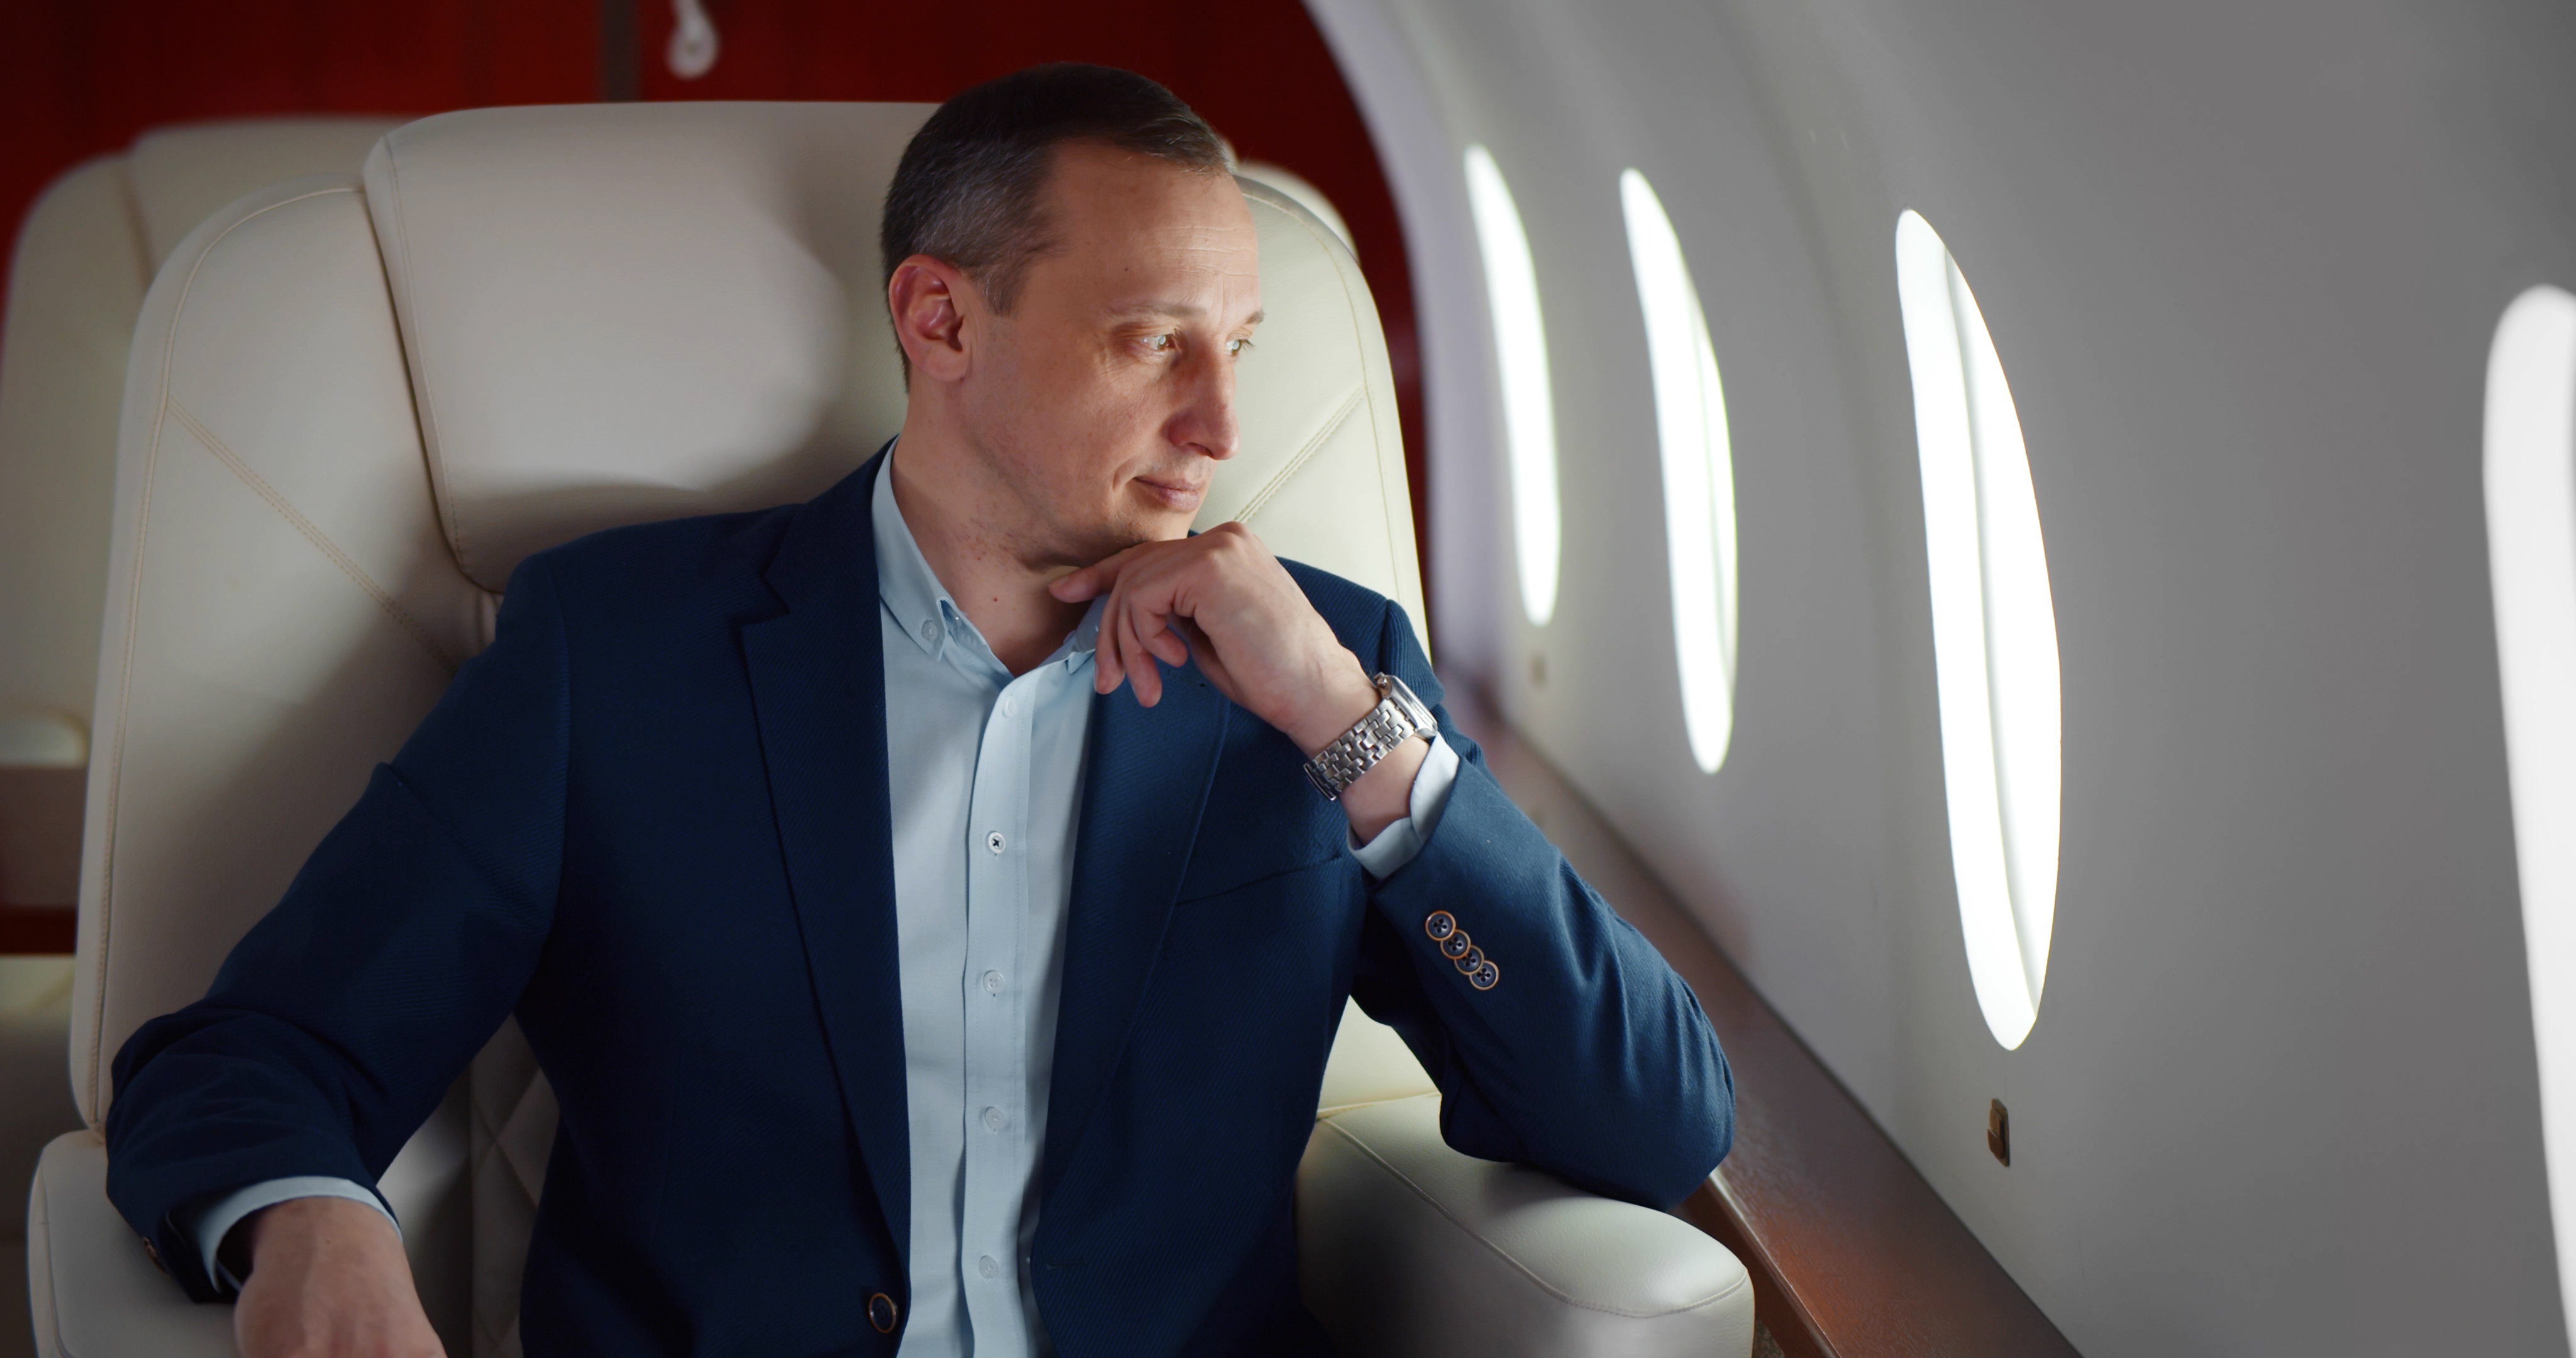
(1346, 604)
(1368, 622)
(669, 561)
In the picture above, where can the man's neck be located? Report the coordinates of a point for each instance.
(937, 490)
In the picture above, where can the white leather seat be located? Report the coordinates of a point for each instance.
(84, 256)
(88, 249)
(357, 403)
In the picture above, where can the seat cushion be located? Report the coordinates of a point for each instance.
(1408, 1247)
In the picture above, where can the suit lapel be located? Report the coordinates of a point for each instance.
(818, 686)
(1145, 783)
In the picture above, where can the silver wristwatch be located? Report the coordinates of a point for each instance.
(1397, 718)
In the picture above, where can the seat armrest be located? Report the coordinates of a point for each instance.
(94, 1291)
(1408, 1247)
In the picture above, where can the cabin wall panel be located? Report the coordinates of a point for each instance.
(2242, 266)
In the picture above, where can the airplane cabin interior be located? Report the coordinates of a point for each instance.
(2029, 549)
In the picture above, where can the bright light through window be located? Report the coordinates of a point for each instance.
(1520, 352)
(1994, 634)
(2531, 549)
(1699, 471)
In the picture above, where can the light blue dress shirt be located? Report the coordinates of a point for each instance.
(986, 774)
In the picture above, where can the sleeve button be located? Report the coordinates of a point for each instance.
(1456, 945)
(1472, 963)
(1486, 976)
(1440, 925)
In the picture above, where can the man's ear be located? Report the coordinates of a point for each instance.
(932, 302)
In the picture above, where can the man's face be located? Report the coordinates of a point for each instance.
(1105, 399)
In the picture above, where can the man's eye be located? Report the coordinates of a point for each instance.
(1235, 348)
(1161, 344)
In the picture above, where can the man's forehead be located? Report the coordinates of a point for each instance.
(1157, 238)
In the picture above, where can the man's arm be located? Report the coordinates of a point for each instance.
(1587, 1056)
(337, 1023)
(1582, 1052)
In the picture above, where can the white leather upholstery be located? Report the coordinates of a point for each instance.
(88, 249)
(35, 1107)
(1408, 1248)
(1300, 190)
(94, 1292)
(81, 262)
(355, 404)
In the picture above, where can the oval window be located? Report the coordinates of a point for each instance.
(1699, 471)
(1994, 634)
(1520, 359)
(2531, 552)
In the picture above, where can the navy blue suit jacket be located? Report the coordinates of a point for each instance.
(651, 819)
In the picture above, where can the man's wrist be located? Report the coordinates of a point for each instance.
(1352, 696)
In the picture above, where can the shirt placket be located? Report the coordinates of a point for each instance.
(995, 993)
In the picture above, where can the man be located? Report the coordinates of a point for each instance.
(902, 981)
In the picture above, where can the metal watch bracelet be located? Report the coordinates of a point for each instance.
(1397, 718)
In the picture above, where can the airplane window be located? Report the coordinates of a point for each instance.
(1699, 471)
(2531, 550)
(1520, 351)
(1994, 633)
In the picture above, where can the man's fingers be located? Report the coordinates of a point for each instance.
(1099, 577)
(1138, 661)
(1080, 586)
(1153, 631)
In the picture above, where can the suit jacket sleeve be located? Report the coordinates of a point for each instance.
(337, 1023)
(1589, 1058)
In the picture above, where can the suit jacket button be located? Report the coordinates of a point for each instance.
(1457, 945)
(1440, 925)
(1472, 963)
(882, 1312)
(1486, 976)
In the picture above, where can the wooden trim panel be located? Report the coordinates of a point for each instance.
(43, 929)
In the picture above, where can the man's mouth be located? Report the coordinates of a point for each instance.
(1174, 492)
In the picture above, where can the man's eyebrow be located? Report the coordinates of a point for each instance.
(1186, 311)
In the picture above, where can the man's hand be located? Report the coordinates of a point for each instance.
(1225, 596)
(327, 1280)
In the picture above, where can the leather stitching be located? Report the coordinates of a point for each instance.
(1343, 265)
(1525, 1270)
(348, 566)
(102, 929)
(1332, 426)
(408, 317)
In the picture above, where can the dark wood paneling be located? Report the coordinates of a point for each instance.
(1852, 1253)
(26, 929)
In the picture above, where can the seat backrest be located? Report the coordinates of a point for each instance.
(83, 258)
(355, 404)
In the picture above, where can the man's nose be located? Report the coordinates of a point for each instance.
(1205, 421)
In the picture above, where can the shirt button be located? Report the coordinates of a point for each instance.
(929, 630)
(994, 1119)
(1010, 705)
(992, 983)
(994, 841)
(988, 1267)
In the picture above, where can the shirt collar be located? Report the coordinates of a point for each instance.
(922, 606)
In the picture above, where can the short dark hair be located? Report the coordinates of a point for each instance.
(970, 190)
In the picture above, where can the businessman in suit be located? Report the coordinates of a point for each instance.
(932, 903)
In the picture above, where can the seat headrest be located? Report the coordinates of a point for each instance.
(624, 312)
(615, 313)
(181, 175)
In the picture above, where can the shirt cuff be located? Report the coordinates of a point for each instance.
(1396, 845)
(214, 1222)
